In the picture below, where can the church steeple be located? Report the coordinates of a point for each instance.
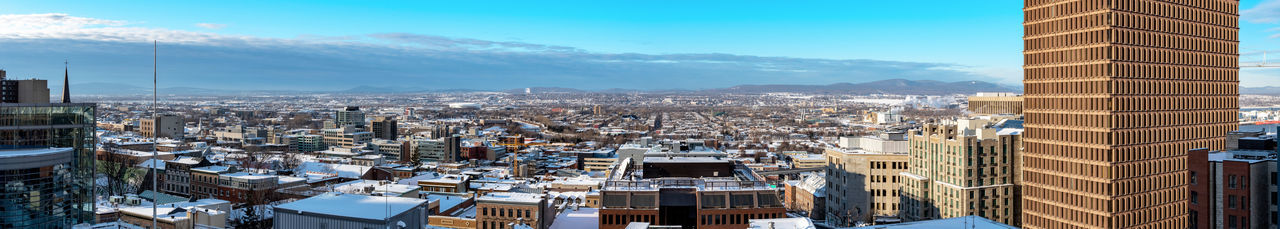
(66, 85)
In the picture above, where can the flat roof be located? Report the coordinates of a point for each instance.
(965, 222)
(10, 153)
(685, 160)
(511, 197)
(352, 205)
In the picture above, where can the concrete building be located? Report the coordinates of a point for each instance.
(346, 137)
(805, 161)
(430, 150)
(23, 91)
(305, 143)
(599, 164)
(339, 210)
(1116, 93)
(714, 194)
(1234, 188)
(350, 116)
(506, 210)
(392, 150)
(995, 103)
(163, 126)
(886, 142)
(963, 167)
(384, 127)
(47, 160)
(862, 185)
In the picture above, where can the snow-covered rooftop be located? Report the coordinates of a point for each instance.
(529, 198)
(351, 205)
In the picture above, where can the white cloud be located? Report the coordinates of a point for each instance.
(1266, 12)
(428, 59)
(211, 25)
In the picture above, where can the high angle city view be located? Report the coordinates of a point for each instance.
(812, 114)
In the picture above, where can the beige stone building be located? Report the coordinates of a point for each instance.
(963, 167)
(862, 185)
(162, 126)
(995, 103)
(601, 164)
(1116, 93)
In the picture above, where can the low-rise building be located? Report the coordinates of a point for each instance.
(339, 210)
(500, 210)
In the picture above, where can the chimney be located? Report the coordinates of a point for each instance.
(2, 73)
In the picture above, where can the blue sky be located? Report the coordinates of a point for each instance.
(980, 40)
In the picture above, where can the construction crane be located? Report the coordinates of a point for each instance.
(1262, 64)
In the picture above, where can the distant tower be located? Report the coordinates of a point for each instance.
(528, 90)
(66, 85)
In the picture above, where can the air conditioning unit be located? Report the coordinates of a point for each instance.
(133, 201)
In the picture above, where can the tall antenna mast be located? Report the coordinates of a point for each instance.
(154, 139)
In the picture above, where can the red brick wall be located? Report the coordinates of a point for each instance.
(1198, 163)
(1240, 170)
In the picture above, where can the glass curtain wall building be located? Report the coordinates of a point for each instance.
(46, 164)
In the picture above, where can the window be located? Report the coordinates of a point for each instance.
(1193, 177)
(1231, 182)
(1231, 202)
(1231, 222)
(1195, 197)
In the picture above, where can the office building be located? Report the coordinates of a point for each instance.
(346, 137)
(384, 128)
(429, 150)
(47, 158)
(163, 126)
(392, 150)
(963, 167)
(862, 185)
(995, 103)
(1234, 188)
(1116, 93)
(350, 116)
(339, 210)
(508, 210)
(695, 192)
(305, 143)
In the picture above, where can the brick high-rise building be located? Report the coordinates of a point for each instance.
(1116, 93)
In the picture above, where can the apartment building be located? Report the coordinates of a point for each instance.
(963, 167)
(862, 185)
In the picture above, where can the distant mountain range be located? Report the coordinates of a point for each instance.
(892, 86)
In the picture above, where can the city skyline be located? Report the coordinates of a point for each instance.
(700, 46)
